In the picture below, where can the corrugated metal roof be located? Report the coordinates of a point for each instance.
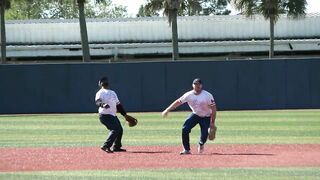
(191, 29)
(164, 48)
(137, 19)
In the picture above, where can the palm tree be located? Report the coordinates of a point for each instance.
(5, 4)
(83, 31)
(171, 9)
(271, 10)
(172, 13)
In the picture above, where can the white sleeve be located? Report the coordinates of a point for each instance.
(98, 95)
(184, 98)
(211, 101)
(116, 98)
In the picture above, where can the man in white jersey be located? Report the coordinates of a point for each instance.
(109, 105)
(203, 109)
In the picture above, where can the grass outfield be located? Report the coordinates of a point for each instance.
(201, 174)
(234, 127)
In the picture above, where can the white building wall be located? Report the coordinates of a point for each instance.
(201, 28)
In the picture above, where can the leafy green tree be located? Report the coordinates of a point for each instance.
(4, 5)
(215, 7)
(271, 10)
(143, 12)
(63, 9)
(25, 9)
(106, 9)
(68, 9)
(189, 8)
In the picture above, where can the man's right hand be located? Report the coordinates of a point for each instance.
(172, 106)
(165, 113)
(106, 106)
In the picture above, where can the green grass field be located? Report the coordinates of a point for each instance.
(234, 127)
(200, 174)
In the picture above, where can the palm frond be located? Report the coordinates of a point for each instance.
(195, 6)
(296, 8)
(154, 5)
(247, 7)
(167, 10)
(183, 7)
(270, 9)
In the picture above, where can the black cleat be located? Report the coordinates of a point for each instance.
(185, 152)
(119, 150)
(106, 149)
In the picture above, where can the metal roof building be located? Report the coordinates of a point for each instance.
(139, 36)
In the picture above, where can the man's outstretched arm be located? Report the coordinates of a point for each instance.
(172, 107)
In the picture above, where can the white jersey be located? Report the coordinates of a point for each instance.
(200, 104)
(109, 97)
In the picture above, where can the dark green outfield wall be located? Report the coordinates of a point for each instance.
(263, 84)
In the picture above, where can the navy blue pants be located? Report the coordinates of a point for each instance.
(190, 123)
(115, 135)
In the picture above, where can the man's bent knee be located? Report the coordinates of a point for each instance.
(186, 130)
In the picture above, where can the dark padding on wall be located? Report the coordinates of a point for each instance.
(236, 85)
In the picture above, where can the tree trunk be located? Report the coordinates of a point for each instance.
(3, 34)
(84, 33)
(271, 51)
(174, 26)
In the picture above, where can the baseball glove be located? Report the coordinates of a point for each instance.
(131, 120)
(212, 133)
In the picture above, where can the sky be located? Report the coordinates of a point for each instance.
(133, 6)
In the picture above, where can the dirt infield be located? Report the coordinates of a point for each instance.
(215, 156)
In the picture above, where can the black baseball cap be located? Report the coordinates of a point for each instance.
(197, 80)
(103, 81)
